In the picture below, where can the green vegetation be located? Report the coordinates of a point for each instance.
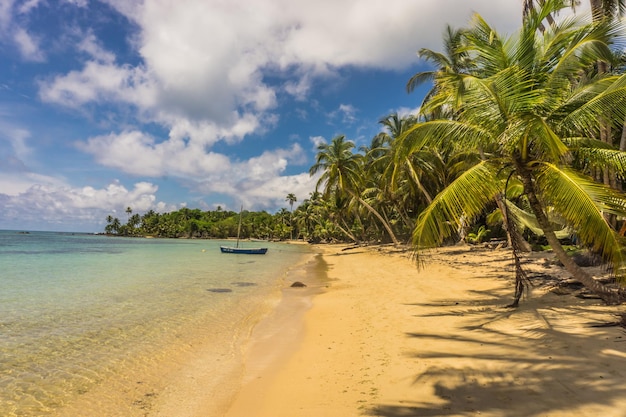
(521, 138)
(195, 223)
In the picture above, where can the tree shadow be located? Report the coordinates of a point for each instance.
(555, 361)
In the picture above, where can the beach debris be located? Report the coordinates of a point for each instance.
(244, 284)
(298, 284)
(219, 290)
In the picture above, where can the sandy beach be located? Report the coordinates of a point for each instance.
(383, 339)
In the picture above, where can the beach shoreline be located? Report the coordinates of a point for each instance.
(387, 340)
(197, 367)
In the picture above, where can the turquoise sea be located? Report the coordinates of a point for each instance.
(80, 311)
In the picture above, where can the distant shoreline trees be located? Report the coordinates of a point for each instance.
(195, 223)
(519, 140)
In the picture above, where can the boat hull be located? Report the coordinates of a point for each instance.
(245, 251)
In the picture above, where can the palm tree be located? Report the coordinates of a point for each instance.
(116, 226)
(455, 60)
(291, 198)
(400, 182)
(607, 9)
(342, 174)
(526, 109)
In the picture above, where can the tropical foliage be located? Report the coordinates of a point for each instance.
(533, 111)
(518, 140)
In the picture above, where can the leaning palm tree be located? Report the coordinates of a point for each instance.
(525, 108)
(342, 173)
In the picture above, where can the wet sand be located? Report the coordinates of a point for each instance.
(382, 339)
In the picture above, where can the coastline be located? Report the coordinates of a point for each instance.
(387, 340)
(194, 391)
(198, 369)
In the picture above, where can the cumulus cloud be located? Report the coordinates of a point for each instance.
(272, 193)
(208, 72)
(85, 206)
(137, 153)
(206, 61)
(261, 181)
(100, 82)
(91, 46)
(317, 141)
(203, 67)
(28, 45)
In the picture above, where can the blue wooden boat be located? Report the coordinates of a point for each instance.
(243, 251)
(246, 251)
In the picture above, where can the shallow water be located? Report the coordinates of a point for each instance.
(79, 310)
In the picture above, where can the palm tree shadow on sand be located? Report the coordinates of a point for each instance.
(482, 365)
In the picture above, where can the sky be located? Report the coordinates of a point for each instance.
(164, 104)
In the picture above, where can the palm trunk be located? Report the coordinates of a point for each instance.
(514, 238)
(607, 294)
(622, 142)
(417, 181)
(343, 230)
(379, 217)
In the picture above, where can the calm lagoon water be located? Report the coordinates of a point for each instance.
(77, 310)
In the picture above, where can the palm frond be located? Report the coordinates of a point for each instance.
(436, 132)
(580, 201)
(611, 101)
(464, 199)
(526, 220)
(419, 79)
(604, 158)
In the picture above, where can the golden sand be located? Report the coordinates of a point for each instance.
(372, 336)
(386, 340)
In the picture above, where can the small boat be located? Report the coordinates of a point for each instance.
(247, 251)
(237, 249)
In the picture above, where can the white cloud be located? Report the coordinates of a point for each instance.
(27, 6)
(16, 138)
(77, 207)
(206, 172)
(299, 88)
(100, 81)
(272, 193)
(348, 113)
(259, 181)
(28, 45)
(90, 45)
(317, 141)
(17, 179)
(78, 3)
(206, 61)
(405, 111)
(137, 153)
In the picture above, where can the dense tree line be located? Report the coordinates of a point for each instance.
(521, 137)
(195, 223)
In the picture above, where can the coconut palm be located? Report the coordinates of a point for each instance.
(291, 198)
(607, 9)
(342, 173)
(526, 109)
(455, 60)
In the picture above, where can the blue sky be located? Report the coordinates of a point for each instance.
(171, 103)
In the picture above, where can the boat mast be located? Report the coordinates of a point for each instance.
(239, 226)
